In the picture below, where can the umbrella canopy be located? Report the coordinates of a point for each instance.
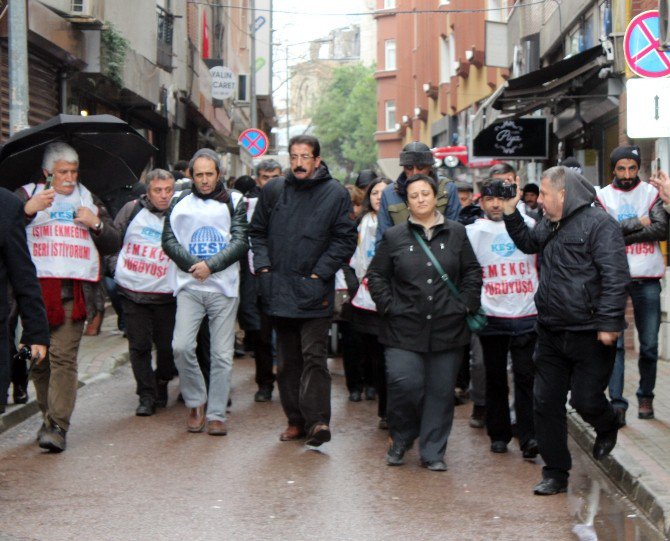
(111, 153)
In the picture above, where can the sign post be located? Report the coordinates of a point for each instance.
(254, 141)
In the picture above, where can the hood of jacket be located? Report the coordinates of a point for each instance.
(321, 174)
(579, 193)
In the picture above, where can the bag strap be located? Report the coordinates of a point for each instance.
(443, 275)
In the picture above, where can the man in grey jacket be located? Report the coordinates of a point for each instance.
(205, 234)
(581, 300)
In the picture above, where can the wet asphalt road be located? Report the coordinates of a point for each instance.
(125, 477)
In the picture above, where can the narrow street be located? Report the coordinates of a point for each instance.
(126, 477)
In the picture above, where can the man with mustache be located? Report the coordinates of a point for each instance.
(638, 208)
(68, 229)
(302, 232)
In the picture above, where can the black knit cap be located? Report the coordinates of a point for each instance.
(625, 153)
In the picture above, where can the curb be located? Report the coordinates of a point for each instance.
(16, 415)
(631, 478)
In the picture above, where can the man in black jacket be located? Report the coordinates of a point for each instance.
(581, 300)
(18, 271)
(301, 234)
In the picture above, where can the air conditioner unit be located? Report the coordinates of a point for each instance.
(81, 12)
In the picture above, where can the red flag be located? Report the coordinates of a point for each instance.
(205, 36)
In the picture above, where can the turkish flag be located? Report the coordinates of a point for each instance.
(205, 36)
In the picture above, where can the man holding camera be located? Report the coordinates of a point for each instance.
(68, 229)
(581, 301)
(510, 283)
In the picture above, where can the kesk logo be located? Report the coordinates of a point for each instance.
(206, 242)
(502, 245)
(626, 211)
(150, 234)
(61, 212)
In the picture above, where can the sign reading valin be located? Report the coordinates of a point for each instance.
(518, 138)
(223, 82)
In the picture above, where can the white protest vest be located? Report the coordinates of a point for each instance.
(61, 248)
(202, 227)
(644, 258)
(142, 266)
(510, 276)
(360, 261)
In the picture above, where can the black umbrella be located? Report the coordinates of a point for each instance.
(111, 153)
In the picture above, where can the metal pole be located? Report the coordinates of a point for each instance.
(252, 86)
(18, 67)
(288, 114)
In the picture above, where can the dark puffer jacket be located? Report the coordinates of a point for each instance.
(418, 311)
(300, 228)
(584, 271)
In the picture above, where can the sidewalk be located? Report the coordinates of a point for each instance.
(640, 463)
(98, 356)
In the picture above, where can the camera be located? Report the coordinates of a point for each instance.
(498, 188)
(23, 354)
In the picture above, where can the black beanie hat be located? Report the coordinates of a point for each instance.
(416, 153)
(573, 163)
(625, 153)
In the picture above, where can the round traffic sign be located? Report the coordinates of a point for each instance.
(643, 53)
(254, 141)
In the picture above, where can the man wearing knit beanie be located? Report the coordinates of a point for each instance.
(639, 211)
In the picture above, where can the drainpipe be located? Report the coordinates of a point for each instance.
(19, 102)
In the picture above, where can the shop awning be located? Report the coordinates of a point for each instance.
(571, 78)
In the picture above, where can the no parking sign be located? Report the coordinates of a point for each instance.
(644, 55)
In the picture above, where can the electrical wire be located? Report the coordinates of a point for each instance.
(364, 13)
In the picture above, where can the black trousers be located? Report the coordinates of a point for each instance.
(302, 370)
(575, 362)
(262, 344)
(359, 370)
(495, 349)
(149, 324)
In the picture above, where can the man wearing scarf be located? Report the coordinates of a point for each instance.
(639, 211)
(68, 229)
(205, 235)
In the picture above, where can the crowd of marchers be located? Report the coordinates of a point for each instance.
(407, 268)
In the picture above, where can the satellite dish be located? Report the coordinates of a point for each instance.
(451, 161)
(664, 20)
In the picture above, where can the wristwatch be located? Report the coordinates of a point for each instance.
(98, 227)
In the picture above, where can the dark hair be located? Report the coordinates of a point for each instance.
(367, 207)
(531, 188)
(181, 165)
(308, 140)
(425, 178)
(244, 183)
(501, 169)
(355, 193)
(267, 165)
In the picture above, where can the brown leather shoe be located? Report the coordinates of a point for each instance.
(217, 428)
(93, 328)
(196, 419)
(292, 433)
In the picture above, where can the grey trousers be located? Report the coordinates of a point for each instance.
(192, 307)
(477, 373)
(421, 398)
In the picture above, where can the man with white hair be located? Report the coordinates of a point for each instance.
(205, 235)
(68, 229)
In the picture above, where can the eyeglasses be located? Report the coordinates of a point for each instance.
(301, 157)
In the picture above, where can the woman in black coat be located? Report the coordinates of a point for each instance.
(423, 325)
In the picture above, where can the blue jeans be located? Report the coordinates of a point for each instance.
(646, 297)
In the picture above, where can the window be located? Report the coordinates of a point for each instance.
(447, 59)
(389, 54)
(589, 33)
(389, 4)
(573, 42)
(164, 38)
(604, 18)
(389, 115)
